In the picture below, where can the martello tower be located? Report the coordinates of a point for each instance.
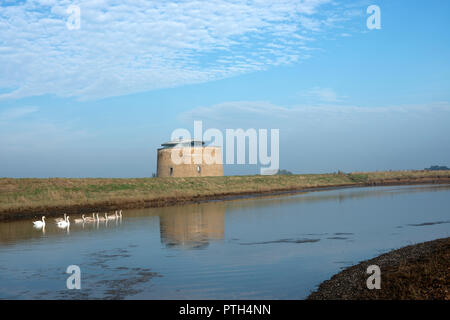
(189, 158)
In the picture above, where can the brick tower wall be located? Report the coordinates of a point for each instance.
(189, 169)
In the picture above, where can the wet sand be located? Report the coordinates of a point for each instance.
(415, 272)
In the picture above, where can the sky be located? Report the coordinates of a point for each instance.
(98, 100)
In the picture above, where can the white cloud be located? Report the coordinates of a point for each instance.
(321, 95)
(131, 46)
(16, 113)
(261, 113)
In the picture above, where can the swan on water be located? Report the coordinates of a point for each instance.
(90, 219)
(64, 224)
(61, 219)
(82, 220)
(39, 223)
(101, 218)
(112, 217)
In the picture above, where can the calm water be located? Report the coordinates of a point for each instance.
(274, 247)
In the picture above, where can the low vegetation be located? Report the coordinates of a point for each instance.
(25, 197)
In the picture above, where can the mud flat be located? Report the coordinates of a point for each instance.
(415, 272)
(26, 198)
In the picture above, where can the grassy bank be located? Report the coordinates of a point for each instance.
(20, 198)
(416, 272)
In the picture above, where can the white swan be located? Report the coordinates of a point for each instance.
(64, 224)
(101, 218)
(112, 217)
(61, 219)
(90, 219)
(82, 220)
(39, 223)
(120, 214)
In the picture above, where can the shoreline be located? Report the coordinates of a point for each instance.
(415, 272)
(208, 189)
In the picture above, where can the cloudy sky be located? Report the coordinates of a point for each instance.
(97, 101)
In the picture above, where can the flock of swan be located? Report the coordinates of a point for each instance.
(64, 223)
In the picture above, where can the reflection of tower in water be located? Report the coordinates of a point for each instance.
(192, 226)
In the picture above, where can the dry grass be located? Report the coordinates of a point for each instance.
(18, 195)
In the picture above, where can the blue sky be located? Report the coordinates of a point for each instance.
(98, 101)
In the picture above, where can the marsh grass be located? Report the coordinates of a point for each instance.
(29, 194)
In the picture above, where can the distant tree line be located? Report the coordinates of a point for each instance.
(436, 168)
(283, 171)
